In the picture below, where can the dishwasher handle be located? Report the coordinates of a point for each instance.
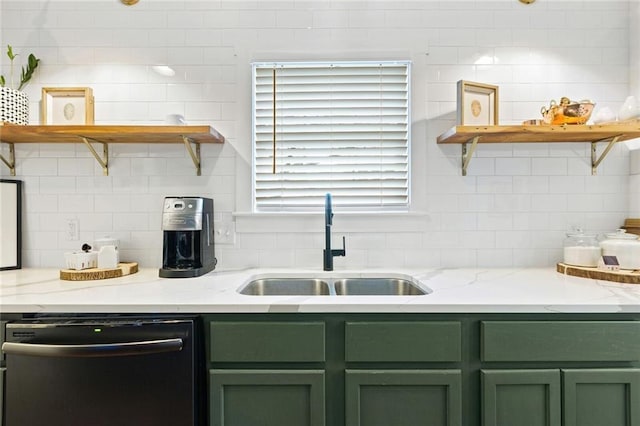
(103, 350)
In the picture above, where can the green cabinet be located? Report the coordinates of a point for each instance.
(563, 394)
(536, 397)
(2, 338)
(421, 369)
(285, 395)
(2, 371)
(393, 394)
(266, 398)
(560, 341)
(267, 341)
(521, 397)
(595, 397)
(403, 341)
(403, 397)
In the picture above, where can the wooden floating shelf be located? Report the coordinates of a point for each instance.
(108, 134)
(609, 133)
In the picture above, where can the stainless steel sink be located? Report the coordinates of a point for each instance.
(286, 287)
(377, 287)
(331, 286)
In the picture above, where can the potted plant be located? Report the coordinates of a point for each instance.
(14, 104)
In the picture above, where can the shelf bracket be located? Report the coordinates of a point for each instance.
(11, 162)
(595, 162)
(104, 160)
(468, 153)
(195, 156)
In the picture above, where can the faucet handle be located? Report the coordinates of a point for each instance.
(340, 252)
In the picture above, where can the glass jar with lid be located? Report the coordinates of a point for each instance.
(581, 249)
(625, 247)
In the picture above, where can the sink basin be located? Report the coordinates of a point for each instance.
(377, 287)
(331, 286)
(286, 287)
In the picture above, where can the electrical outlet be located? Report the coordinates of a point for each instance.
(72, 230)
(225, 232)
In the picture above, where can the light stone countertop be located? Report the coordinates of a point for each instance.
(530, 290)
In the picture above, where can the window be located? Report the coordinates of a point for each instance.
(339, 127)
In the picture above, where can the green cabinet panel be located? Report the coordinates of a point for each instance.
(403, 341)
(267, 341)
(521, 397)
(2, 371)
(403, 398)
(560, 340)
(597, 397)
(2, 337)
(266, 398)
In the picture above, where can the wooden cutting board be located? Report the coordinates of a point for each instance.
(621, 276)
(632, 226)
(124, 268)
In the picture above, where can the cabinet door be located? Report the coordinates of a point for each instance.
(266, 398)
(403, 398)
(521, 397)
(595, 397)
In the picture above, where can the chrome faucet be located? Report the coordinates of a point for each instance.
(329, 254)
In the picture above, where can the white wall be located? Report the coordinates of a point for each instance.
(511, 210)
(634, 184)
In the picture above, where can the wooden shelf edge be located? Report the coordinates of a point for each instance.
(540, 134)
(106, 134)
(109, 133)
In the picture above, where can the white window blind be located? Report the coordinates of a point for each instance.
(338, 127)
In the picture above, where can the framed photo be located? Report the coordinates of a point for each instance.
(10, 224)
(477, 104)
(67, 105)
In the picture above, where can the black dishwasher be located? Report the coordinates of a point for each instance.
(108, 371)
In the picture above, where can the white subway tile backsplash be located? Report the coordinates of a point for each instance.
(277, 258)
(131, 222)
(495, 221)
(37, 166)
(549, 166)
(495, 258)
(76, 166)
(513, 166)
(58, 185)
(76, 203)
(131, 184)
(92, 222)
(634, 166)
(634, 196)
(512, 209)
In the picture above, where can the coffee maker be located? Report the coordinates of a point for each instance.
(188, 246)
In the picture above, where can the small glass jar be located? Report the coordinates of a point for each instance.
(625, 247)
(581, 249)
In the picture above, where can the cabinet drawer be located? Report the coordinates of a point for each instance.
(560, 340)
(267, 342)
(403, 341)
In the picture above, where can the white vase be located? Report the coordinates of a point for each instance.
(14, 106)
(629, 109)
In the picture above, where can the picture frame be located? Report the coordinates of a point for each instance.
(10, 224)
(477, 104)
(67, 105)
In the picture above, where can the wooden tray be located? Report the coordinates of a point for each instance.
(621, 276)
(632, 226)
(124, 268)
